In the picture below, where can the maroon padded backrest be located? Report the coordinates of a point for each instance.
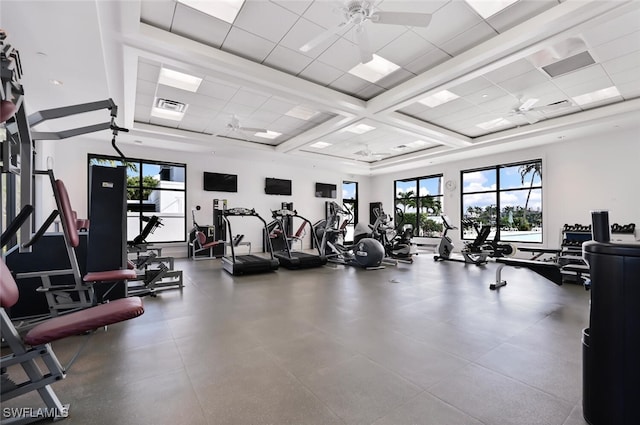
(8, 287)
(66, 214)
(300, 230)
(201, 238)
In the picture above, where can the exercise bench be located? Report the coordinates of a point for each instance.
(36, 345)
(547, 269)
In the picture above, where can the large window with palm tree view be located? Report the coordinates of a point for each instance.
(418, 203)
(506, 197)
(153, 188)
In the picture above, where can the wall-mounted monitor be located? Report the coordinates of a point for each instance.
(325, 190)
(277, 186)
(218, 182)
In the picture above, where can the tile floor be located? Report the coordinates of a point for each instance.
(426, 343)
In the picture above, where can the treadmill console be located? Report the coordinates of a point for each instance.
(239, 211)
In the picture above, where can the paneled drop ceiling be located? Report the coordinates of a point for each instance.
(460, 83)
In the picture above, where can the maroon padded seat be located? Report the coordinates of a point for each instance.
(110, 276)
(85, 320)
(202, 240)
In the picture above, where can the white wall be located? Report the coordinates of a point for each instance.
(597, 172)
(71, 166)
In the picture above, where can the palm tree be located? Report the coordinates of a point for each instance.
(535, 168)
(430, 204)
(407, 199)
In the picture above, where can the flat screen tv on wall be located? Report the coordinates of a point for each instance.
(218, 182)
(277, 186)
(325, 190)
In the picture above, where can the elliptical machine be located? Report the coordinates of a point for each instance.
(367, 252)
(396, 240)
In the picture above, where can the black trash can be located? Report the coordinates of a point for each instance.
(611, 344)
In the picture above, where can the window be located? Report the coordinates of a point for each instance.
(419, 201)
(506, 197)
(350, 200)
(153, 188)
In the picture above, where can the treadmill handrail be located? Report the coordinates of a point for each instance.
(252, 213)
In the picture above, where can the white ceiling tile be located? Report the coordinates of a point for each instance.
(399, 76)
(414, 108)
(198, 26)
(624, 77)
(172, 93)
(405, 49)
(485, 95)
(146, 87)
(615, 28)
(296, 6)
(265, 19)
(349, 84)
(629, 90)
(287, 60)
(622, 63)
(370, 92)
(286, 124)
(145, 100)
(142, 113)
(247, 45)
(193, 123)
(265, 116)
(304, 31)
(379, 35)
(320, 73)
(581, 76)
(248, 98)
(518, 13)
(471, 86)
(415, 6)
(216, 90)
(209, 102)
(500, 105)
(324, 13)
(237, 109)
(588, 87)
(546, 93)
(278, 106)
(618, 47)
(602, 103)
(468, 39)
(148, 72)
(342, 55)
(164, 122)
(427, 61)
(452, 107)
(157, 13)
(509, 71)
(448, 22)
(520, 83)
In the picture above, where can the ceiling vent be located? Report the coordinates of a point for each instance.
(170, 105)
(570, 64)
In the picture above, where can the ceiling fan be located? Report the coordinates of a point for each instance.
(357, 13)
(369, 154)
(234, 125)
(527, 111)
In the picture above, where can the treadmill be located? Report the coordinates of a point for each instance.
(295, 259)
(246, 264)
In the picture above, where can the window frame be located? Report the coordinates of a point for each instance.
(416, 200)
(498, 191)
(141, 187)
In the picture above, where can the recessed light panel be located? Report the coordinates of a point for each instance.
(439, 98)
(596, 96)
(268, 134)
(359, 129)
(498, 122)
(486, 8)
(319, 145)
(301, 112)
(375, 69)
(179, 80)
(227, 10)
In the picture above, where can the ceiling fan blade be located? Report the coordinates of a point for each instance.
(531, 118)
(363, 44)
(323, 36)
(402, 18)
(528, 104)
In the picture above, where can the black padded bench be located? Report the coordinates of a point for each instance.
(547, 269)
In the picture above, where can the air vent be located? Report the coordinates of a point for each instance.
(170, 105)
(570, 64)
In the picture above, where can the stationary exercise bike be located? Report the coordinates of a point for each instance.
(396, 240)
(474, 252)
